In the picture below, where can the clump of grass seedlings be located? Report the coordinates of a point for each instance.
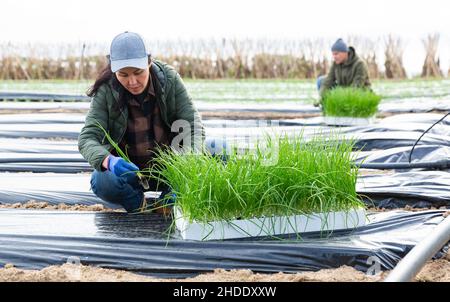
(124, 155)
(350, 102)
(314, 176)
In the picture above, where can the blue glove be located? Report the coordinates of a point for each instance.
(121, 167)
(167, 197)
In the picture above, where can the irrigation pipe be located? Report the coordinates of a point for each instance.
(439, 164)
(425, 132)
(413, 262)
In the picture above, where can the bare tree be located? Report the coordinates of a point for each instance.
(431, 66)
(394, 58)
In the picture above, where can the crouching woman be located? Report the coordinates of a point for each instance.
(136, 100)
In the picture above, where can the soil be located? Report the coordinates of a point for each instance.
(434, 271)
(38, 205)
(70, 272)
(255, 115)
(41, 205)
(363, 172)
(411, 209)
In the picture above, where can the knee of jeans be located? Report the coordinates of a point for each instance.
(93, 181)
(108, 187)
(319, 81)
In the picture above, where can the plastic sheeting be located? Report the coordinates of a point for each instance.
(138, 243)
(42, 118)
(73, 162)
(43, 97)
(242, 136)
(392, 132)
(39, 146)
(422, 153)
(413, 105)
(385, 142)
(52, 188)
(41, 155)
(77, 106)
(51, 130)
(43, 163)
(36, 239)
(417, 189)
(427, 118)
(46, 167)
(74, 118)
(78, 118)
(247, 137)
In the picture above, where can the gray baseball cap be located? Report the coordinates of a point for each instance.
(128, 50)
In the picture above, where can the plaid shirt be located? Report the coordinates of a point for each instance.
(145, 129)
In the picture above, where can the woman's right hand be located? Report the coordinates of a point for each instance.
(119, 166)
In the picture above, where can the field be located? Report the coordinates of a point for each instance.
(258, 91)
(238, 168)
(45, 182)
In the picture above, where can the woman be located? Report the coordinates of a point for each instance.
(136, 100)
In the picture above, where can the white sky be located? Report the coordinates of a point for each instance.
(100, 21)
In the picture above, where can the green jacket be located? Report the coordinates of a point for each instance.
(174, 102)
(353, 72)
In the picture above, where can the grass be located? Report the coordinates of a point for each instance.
(124, 155)
(253, 91)
(350, 102)
(308, 177)
(46, 86)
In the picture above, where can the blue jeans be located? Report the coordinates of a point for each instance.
(119, 190)
(126, 191)
(320, 81)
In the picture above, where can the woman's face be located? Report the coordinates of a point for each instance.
(133, 79)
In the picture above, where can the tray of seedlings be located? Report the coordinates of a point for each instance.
(285, 186)
(346, 106)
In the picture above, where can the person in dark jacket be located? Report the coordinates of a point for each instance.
(141, 103)
(348, 70)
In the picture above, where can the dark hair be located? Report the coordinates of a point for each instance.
(104, 77)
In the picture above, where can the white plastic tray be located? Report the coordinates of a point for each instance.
(269, 226)
(348, 121)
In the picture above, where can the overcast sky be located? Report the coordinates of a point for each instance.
(100, 21)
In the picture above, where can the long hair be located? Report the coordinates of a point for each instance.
(104, 77)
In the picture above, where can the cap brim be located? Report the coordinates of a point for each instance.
(141, 63)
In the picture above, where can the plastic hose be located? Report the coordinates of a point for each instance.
(413, 262)
(440, 164)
